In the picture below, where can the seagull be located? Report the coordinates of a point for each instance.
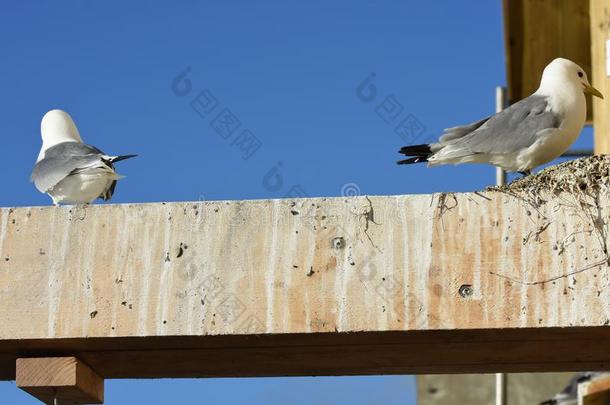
(525, 135)
(68, 170)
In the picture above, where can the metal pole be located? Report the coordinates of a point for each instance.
(501, 101)
(500, 105)
(501, 392)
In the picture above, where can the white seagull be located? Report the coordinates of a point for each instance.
(67, 169)
(527, 134)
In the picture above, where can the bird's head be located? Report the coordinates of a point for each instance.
(561, 71)
(57, 127)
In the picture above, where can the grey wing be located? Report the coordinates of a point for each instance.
(61, 160)
(450, 134)
(512, 129)
(70, 149)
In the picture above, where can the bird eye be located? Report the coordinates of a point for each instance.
(580, 74)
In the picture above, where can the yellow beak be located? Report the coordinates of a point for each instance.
(593, 91)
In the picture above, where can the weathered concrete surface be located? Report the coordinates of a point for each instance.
(522, 388)
(205, 268)
(499, 262)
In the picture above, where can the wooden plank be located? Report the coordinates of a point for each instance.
(65, 379)
(595, 392)
(538, 31)
(357, 353)
(600, 33)
(474, 282)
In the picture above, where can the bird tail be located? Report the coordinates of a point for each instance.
(114, 159)
(420, 154)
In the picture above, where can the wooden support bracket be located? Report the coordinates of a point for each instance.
(67, 379)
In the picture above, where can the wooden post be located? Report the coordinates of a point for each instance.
(538, 31)
(600, 35)
(64, 379)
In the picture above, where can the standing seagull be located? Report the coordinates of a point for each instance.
(529, 133)
(68, 170)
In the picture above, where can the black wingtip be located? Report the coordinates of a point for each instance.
(420, 154)
(122, 157)
(417, 159)
(416, 150)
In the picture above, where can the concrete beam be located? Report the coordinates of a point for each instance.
(474, 282)
(522, 388)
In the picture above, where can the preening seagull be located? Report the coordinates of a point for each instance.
(68, 170)
(527, 134)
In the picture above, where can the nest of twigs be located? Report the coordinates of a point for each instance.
(589, 176)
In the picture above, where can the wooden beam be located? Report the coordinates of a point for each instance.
(538, 31)
(449, 282)
(65, 379)
(600, 34)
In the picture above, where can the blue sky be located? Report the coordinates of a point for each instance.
(286, 74)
